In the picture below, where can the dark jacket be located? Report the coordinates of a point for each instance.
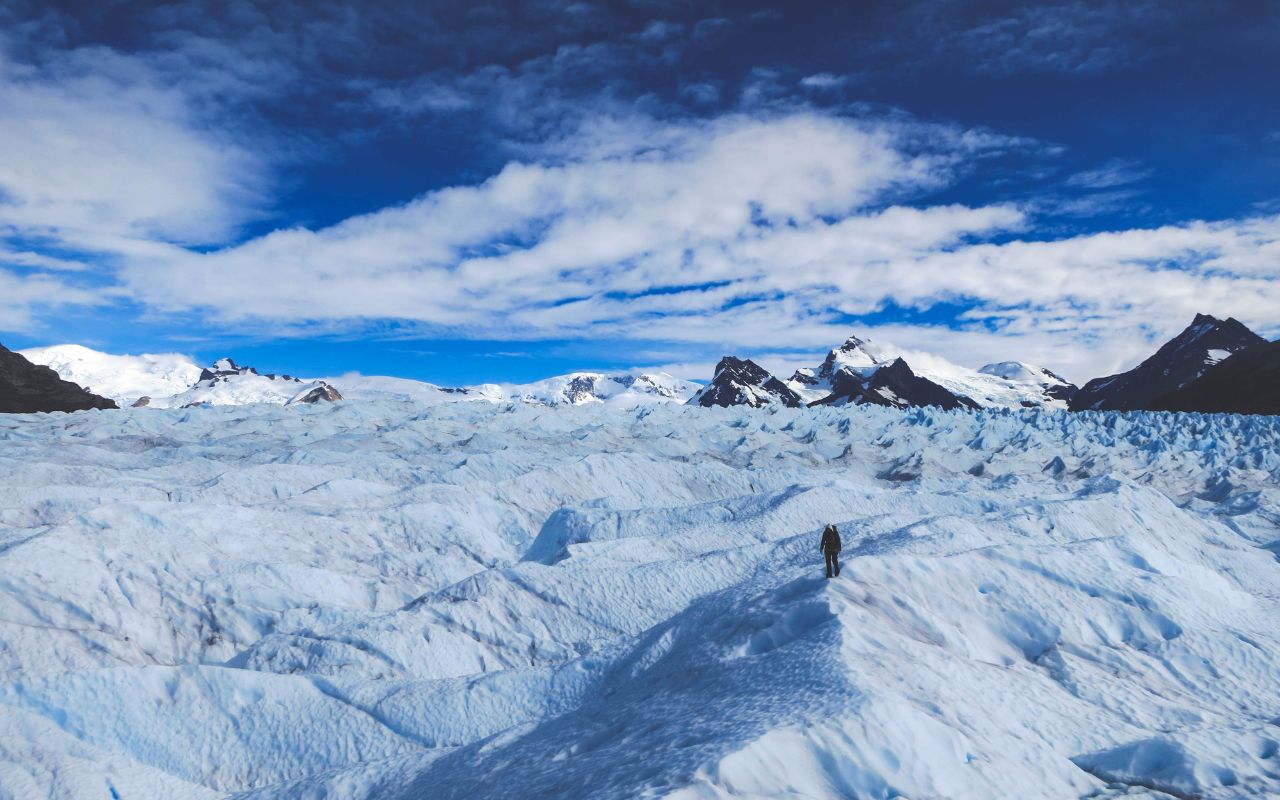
(830, 541)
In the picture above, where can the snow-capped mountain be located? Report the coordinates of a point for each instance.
(613, 389)
(27, 387)
(616, 389)
(855, 356)
(848, 373)
(123, 378)
(356, 386)
(1248, 382)
(1205, 342)
(172, 380)
(895, 385)
(742, 382)
(1054, 390)
(227, 384)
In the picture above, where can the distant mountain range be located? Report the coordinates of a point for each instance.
(860, 372)
(175, 381)
(1213, 366)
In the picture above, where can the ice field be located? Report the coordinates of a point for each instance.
(389, 600)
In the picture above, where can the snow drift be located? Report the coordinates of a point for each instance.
(390, 600)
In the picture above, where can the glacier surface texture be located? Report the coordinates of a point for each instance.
(389, 600)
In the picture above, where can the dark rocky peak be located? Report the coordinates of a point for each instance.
(27, 388)
(324, 393)
(1246, 383)
(225, 368)
(894, 385)
(1179, 361)
(740, 382)
(580, 388)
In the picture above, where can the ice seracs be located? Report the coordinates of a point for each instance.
(373, 601)
(1205, 342)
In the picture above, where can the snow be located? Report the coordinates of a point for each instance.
(170, 381)
(619, 389)
(1213, 356)
(122, 378)
(623, 390)
(390, 599)
(239, 389)
(1008, 384)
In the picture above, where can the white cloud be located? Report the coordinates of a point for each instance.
(94, 147)
(744, 233)
(22, 295)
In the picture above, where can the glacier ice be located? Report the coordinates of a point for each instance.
(395, 600)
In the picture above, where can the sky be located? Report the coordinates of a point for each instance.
(467, 192)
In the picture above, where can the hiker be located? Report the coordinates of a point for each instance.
(830, 547)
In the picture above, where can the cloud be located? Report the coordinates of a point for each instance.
(21, 296)
(96, 146)
(743, 232)
(824, 82)
(1072, 37)
(520, 250)
(1116, 172)
(1003, 39)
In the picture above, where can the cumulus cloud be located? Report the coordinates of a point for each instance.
(95, 146)
(740, 231)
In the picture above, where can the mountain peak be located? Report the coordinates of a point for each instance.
(27, 388)
(1178, 362)
(743, 382)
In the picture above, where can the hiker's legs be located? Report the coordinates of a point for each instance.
(835, 559)
(830, 561)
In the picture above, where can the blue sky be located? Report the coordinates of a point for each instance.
(464, 192)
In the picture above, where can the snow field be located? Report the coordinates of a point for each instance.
(388, 600)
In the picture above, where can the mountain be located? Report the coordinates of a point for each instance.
(742, 382)
(894, 385)
(27, 388)
(225, 383)
(1044, 387)
(1205, 342)
(619, 389)
(355, 386)
(858, 356)
(122, 378)
(846, 375)
(172, 380)
(1246, 383)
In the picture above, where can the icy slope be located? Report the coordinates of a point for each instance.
(389, 600)
(119, 377)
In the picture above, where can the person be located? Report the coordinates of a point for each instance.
(830, 547)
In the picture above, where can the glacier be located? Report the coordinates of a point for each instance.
(390, 599)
